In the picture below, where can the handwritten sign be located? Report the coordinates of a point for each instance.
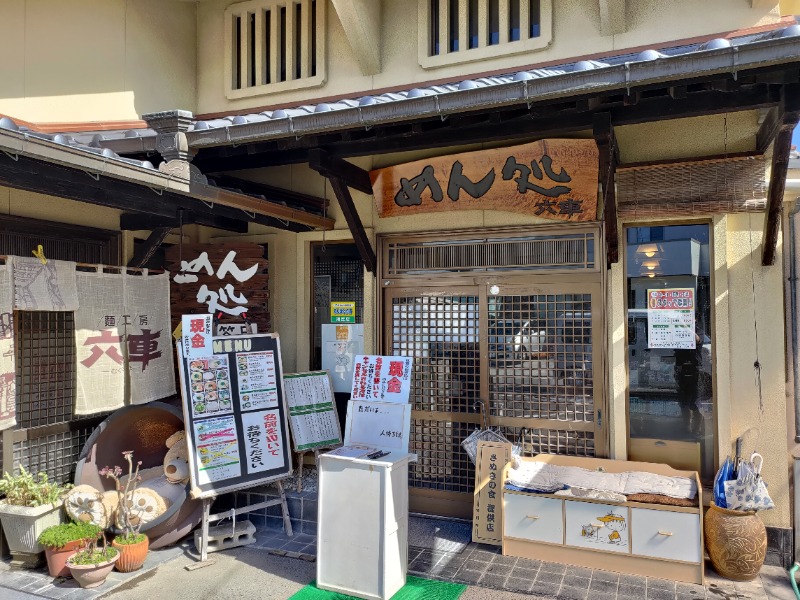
(235, 414)
(487, 521)
(383, 425)
(196, 333)
(382, 378)
(670, 318)
(312, 410)
(552, 179)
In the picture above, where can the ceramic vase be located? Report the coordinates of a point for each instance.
(736, 542)
(131, 556)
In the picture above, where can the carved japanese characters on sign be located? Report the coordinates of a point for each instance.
(226, 280)
(552, 179)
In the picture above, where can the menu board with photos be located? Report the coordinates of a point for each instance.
(235, 415)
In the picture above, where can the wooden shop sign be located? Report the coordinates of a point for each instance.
(552, 179)
(227, 280)
(487, 518)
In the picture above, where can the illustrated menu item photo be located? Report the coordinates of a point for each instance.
(210, 385)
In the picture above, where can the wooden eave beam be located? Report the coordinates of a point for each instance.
(354, 223)
(146, 250)
(311, 203)
(148, 222)
(35, 175)
(603, 132)
(768, 130)
(789, 115)
(331, 166)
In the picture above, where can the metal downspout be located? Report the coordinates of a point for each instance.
(793, 256)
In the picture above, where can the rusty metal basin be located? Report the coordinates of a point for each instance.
(143, 429)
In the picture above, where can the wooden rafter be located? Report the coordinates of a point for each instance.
(342, 176)
(788, 116)
(148, 222)
(603, 132)
(144, 252)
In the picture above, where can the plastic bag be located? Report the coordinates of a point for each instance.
(726, 473)
(748, 491)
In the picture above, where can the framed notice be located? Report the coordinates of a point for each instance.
(235, 415)
(670, 318)
(312, 411)
(384, 425)
(381, 378)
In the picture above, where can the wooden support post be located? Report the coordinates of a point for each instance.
(145, 251)
(609, 158)
(354, 223)
(789, 114)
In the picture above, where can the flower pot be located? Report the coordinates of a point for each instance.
(736, 542)
(131, 556)
(22, 526)
(57, 557)
(92, 576)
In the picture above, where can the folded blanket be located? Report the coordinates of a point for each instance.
(577, 492)
(544, 477)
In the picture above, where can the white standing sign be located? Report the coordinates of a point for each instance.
(382, 425)
(670, 318)
(382, 378)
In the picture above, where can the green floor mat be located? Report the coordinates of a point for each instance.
(414, 589)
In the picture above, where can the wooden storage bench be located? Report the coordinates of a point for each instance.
(654, 540)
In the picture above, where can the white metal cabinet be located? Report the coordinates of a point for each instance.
(362, 530)
(665, 534)
(530, 518)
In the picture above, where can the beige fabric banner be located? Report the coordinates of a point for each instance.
(99, 352)
(148, 337)
(50, 286)
(8, 374)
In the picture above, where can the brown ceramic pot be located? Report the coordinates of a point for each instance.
(736, 542)
(57, 557)
(131, 556)
(92, 576)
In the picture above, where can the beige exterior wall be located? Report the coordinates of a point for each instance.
(96, 60)
(576, 32)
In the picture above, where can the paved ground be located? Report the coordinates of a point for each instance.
(256, 572)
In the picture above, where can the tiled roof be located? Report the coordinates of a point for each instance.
(716, 56)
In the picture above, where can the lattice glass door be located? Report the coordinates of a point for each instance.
(526, 351)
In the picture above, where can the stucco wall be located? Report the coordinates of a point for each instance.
(96, 60)
(576, 32)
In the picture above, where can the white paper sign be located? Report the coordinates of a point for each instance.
(670, 318)
(262, 439)
(312, 410)
(382, 378)
(384, 425)
(340, 346)
(196, 332)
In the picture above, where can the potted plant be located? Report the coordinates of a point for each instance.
(62, 541)
(91, 566)
(131, 544)
(31, 505)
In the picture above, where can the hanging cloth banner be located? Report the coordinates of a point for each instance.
(148, 341)
(8, 373)
(51, 286)
(99, 332)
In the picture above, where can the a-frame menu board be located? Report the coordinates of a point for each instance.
(235, 415)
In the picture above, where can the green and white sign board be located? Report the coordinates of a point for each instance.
(312, 411)
(343, 312)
